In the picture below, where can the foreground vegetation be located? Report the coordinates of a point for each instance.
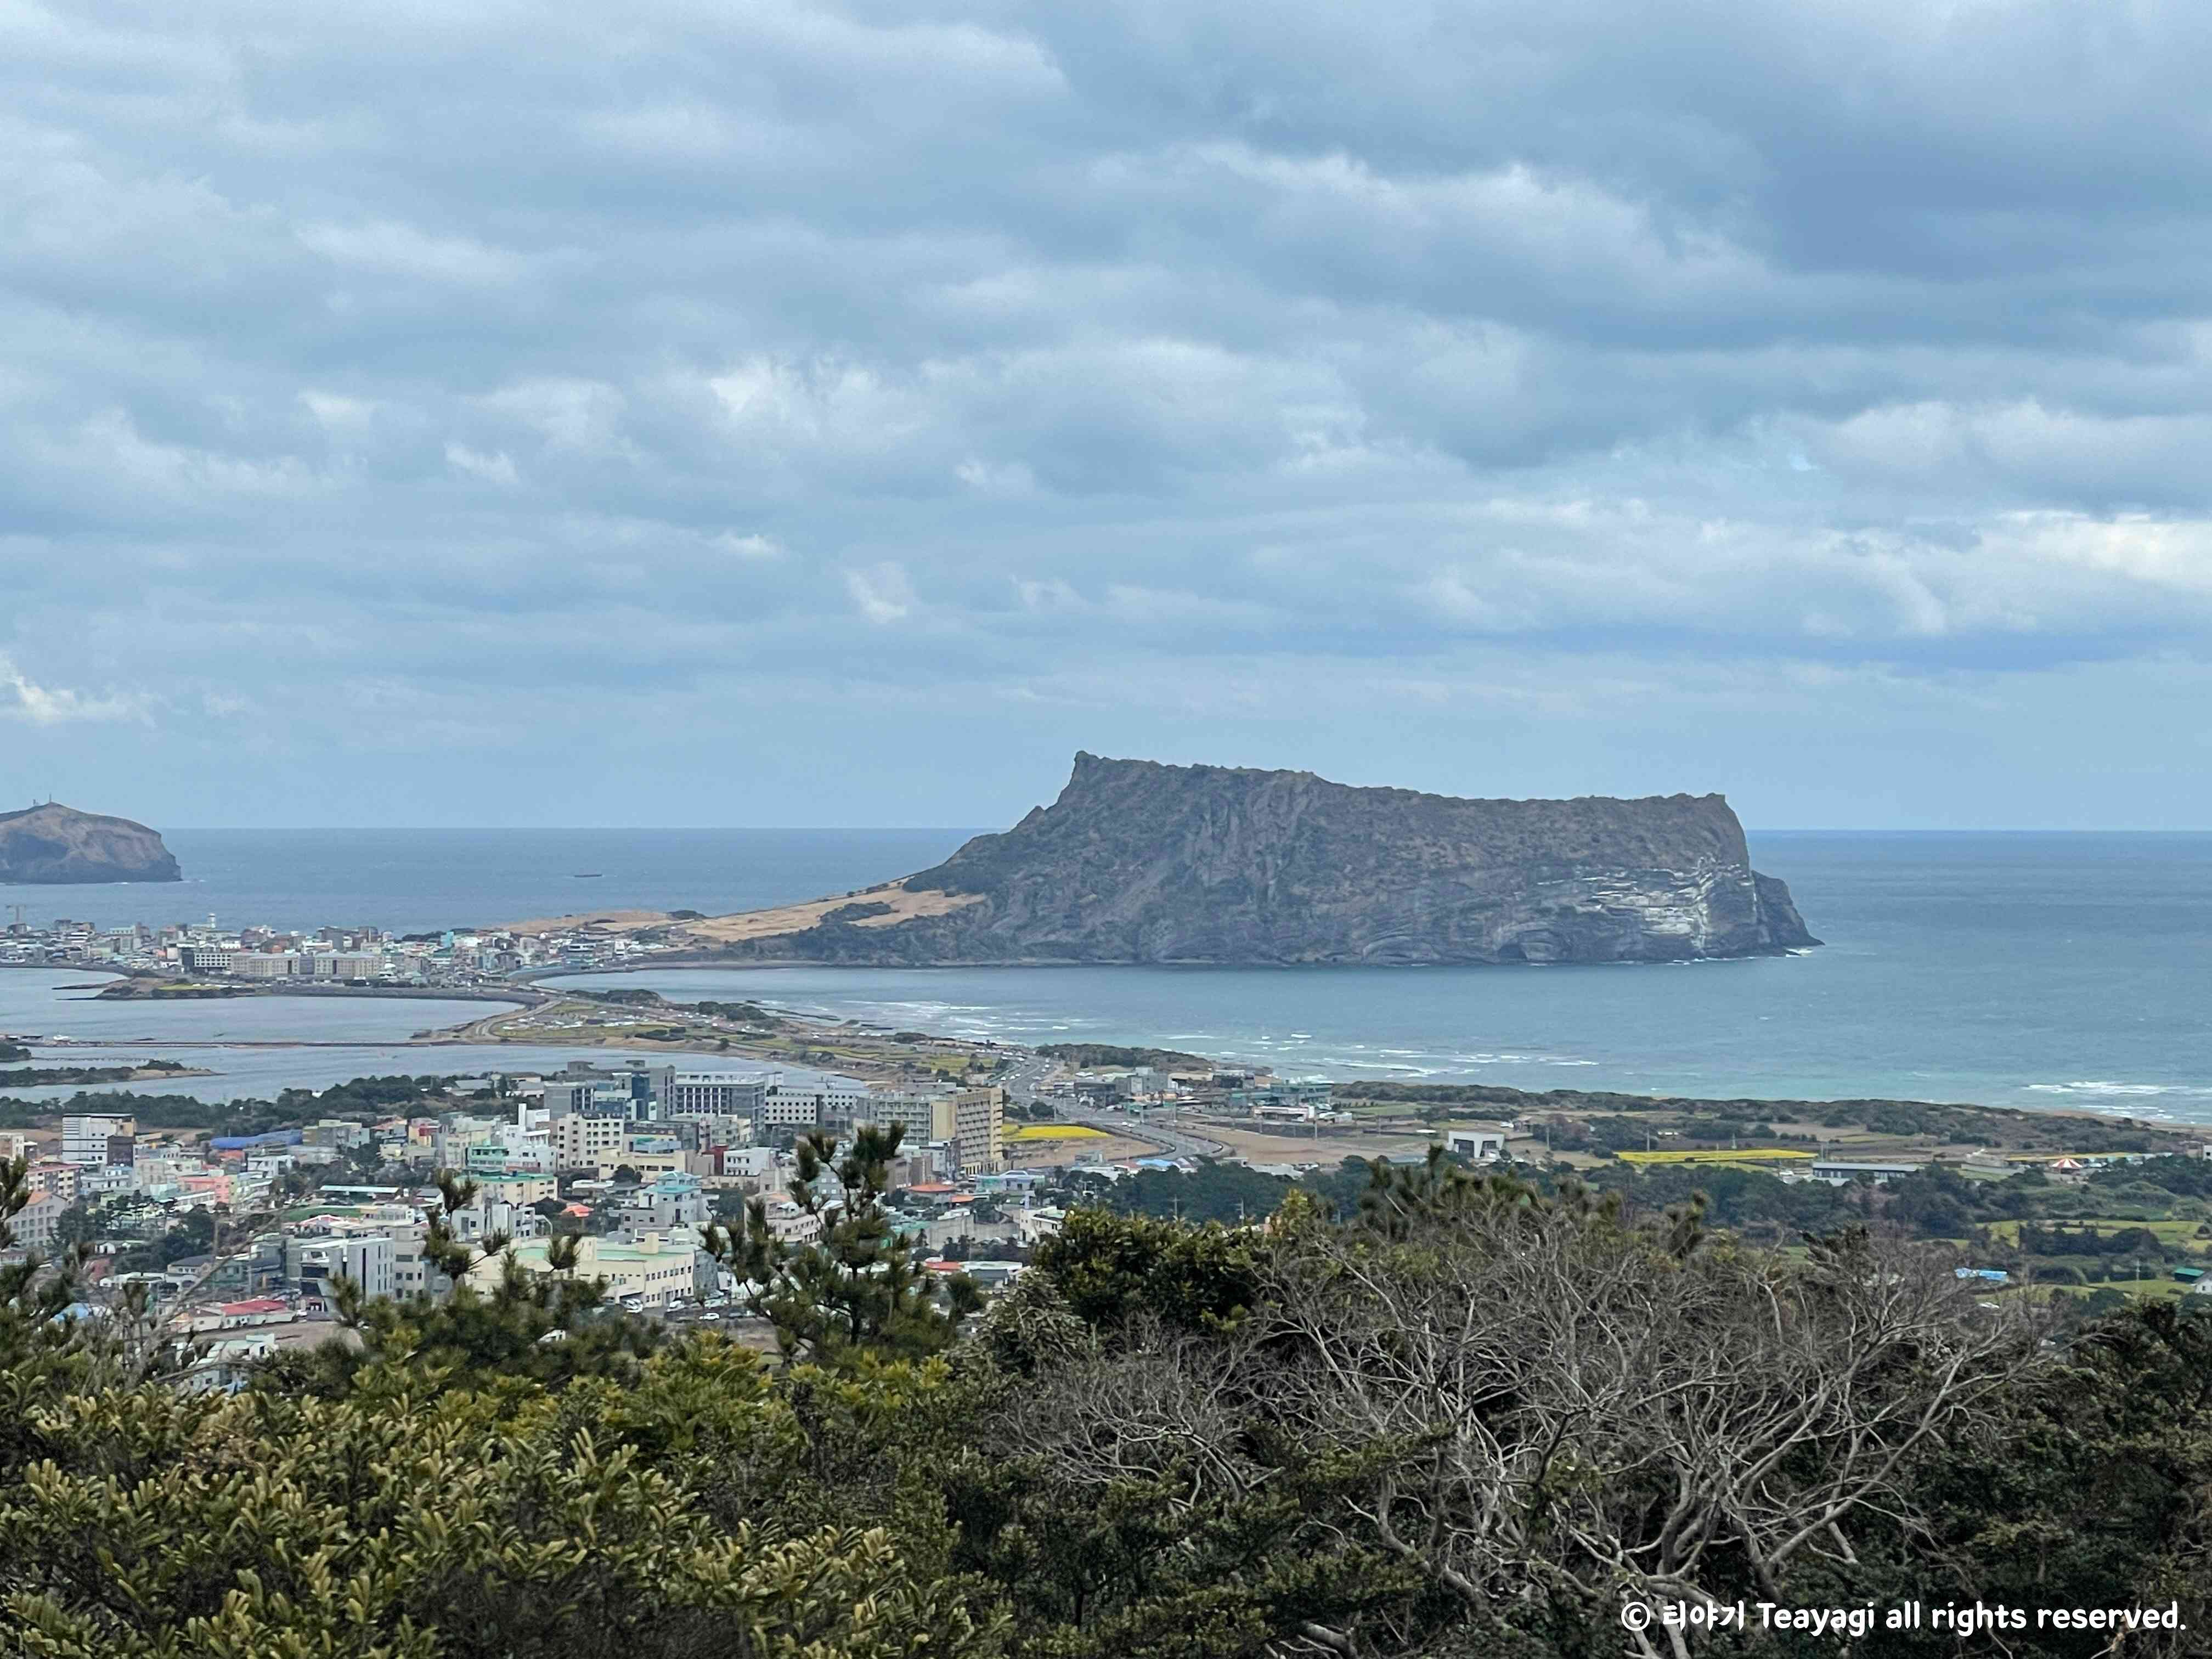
(1457, 1418)
(2127, 1225)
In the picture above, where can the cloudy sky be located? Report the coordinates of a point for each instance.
(755, 412)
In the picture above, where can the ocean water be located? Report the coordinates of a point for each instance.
(2018, 970)
(410, 881)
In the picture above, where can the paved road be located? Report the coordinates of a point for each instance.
(1158, 1128)
(1026, 1076)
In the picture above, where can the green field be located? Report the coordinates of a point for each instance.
(2135, 1287)
(2182, 1232)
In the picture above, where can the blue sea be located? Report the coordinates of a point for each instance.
(410, 881)
(2015, 969)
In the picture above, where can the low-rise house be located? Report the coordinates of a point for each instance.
(1482, 1142)
(790, 1223)
(1841, 1172)
(249, 1311)
(666, 1203)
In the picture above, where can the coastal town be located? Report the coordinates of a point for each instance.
(205, 957)
(243, 1237)
(236, 1243)
(233, 1231)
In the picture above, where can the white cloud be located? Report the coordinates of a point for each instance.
(568, 413)
(1158, 347)
(340, 413)
(391, 249)
(751, 548)
(23, 699)
(882, 594)
(493, 469)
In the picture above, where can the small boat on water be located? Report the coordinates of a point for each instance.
(585, 875)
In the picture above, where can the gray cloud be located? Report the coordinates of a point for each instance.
(1506, 398)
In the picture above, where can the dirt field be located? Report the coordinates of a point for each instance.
(1084, 1149)
(607, 921)
(796, 918)
(760, 924)
(1332, 1146)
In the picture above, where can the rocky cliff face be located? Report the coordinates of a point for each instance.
(55, 844)
(1138, 862)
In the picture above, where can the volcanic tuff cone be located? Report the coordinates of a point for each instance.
(1138, 862)
(53, 843)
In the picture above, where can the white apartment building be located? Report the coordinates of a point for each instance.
(713, 1094)
(833, 1102)
(915, 1114)
(96, 1142)
(580, 1139)
(315, 1264)
(34, 1225)
(411, 1271)
(298, 964)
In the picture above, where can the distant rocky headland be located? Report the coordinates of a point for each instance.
(1138, 862)
(52, 843)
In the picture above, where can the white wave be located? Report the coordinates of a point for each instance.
(2094, 1088)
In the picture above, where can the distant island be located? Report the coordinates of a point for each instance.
(53, 844)
(1140, 862)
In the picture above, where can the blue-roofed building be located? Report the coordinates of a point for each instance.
(253, 1143)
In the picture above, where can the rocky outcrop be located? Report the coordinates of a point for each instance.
(1138, 862)
(52, 843)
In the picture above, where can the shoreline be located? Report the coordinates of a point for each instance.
(1475, 1100)
(541, 987)
(2117, 1114)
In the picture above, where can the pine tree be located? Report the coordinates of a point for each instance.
(858, 1286)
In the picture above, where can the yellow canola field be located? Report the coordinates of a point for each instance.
(1056, 1132)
